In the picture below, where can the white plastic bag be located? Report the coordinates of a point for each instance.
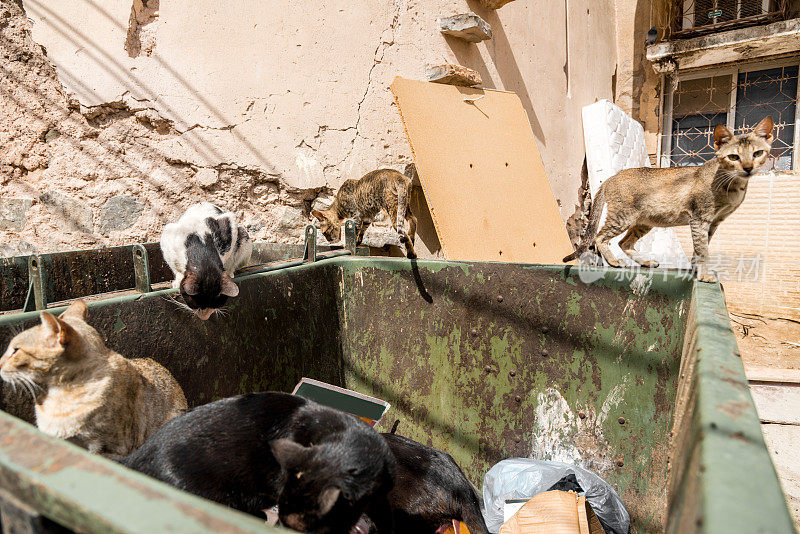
(523, 478)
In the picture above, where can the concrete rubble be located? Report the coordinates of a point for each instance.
(466, 26)
(453, 75)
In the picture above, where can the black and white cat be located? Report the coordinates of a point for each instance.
(203, 249)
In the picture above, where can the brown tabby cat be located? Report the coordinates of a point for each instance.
(362, 200)
(702, 197)
(85, 392)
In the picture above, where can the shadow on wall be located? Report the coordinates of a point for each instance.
(122, 74)
(49, 106)
(502, 56)
(642, 23)
(426, 231)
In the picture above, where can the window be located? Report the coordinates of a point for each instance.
(738, 97)
(697, 17)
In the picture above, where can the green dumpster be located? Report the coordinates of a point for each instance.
(634, 375)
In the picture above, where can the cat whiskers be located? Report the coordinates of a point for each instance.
(733, 176)
(181, 305)
(31, 386)
(724, 180)
(25, 382)
(222, 312)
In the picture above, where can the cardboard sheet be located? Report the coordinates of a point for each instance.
(482, 174)
(554, 512)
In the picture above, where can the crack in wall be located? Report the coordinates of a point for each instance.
(383, 45)
(101, 115)
(74, 158)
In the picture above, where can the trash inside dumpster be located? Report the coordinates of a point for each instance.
(635, 380)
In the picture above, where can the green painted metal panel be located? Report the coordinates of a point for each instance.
(722, 477)
(77, 273)
(510, 360)
(88, 493)
(13, 282)
(632, 375)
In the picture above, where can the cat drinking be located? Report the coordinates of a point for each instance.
(203, 249)
(383, 190)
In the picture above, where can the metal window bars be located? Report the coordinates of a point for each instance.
(738, 97)
(690, 18)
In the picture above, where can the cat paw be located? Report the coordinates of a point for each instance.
(707, 277)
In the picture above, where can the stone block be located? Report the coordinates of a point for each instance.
(379, 236)
(291, 222)
(206, 177)
(14, 212)
(77, 214)
(119, 213)
(466, 26)
(322, 202)
(17, 248)
(453, 75)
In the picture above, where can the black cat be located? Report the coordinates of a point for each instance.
(323, 468)
(430, 490)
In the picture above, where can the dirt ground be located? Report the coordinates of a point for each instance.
(770, 350)
(767, 342)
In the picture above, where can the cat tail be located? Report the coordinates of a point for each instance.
(594, 222)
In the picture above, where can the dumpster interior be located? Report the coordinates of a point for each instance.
(484, 361)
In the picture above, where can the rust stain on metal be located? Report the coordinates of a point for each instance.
(489, 358)
(734, 408)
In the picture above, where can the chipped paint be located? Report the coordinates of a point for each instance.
(473, 374)
(554, 429)
(640, 285)
(614, 398)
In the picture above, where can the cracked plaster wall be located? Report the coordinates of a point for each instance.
(117, 115)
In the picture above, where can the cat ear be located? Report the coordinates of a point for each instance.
(190, 284)
(764, 129)
(721, 135)
(55, 329)
(78, 310)
(213, 224)
(289, 454)
(229, 287)
(328, 498)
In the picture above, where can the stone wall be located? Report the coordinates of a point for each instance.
(117, 115)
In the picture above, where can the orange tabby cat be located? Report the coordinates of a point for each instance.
(84, 391)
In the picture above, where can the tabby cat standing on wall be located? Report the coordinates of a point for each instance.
(702, 197)
(203, 249)
(86, 392)
(364, 199)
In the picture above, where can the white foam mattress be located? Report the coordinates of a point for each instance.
(614, 142)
